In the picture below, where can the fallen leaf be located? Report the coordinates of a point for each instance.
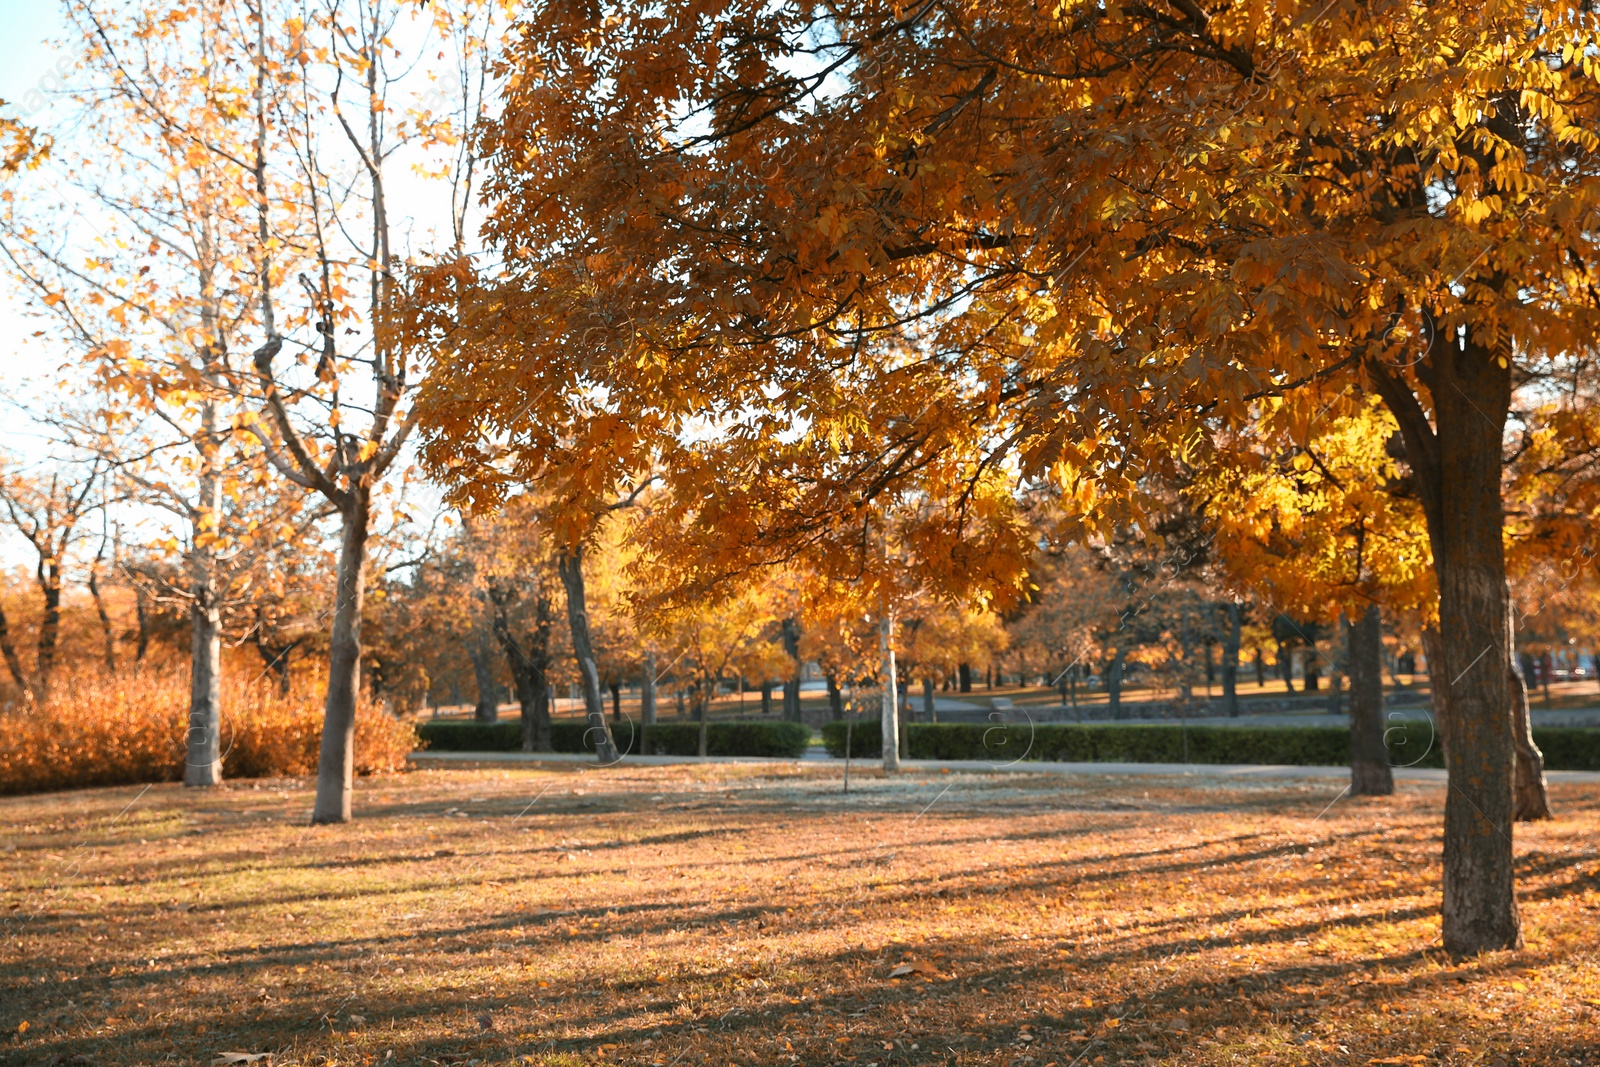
(226, 1059)
(485, 1022)
(915, 967)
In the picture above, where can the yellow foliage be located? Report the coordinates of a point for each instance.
(99, 730)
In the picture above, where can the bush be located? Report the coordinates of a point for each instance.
(662, 739)
(1306, 746)
(97, 730)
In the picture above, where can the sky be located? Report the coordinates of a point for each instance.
(28, 71)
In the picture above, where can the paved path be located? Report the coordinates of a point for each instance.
(1191, 770)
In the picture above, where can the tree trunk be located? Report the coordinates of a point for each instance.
(1470, 387)
(702, 704)
(44, 664)
(529, 664)
(835, 698)
(141, 614)
(1438, 688)
(616, 701)
(1531, 798)
(964, 672)
(1370, 771)
(1114, 684)
(1230, 659)
(891, 690)
(766, 698)
(570, 563)
(647, 691)
(274, 660)
(927, 698)
(791, 688)
(336, 761)
(202, 763)
(13, 664)
(1338, 665)
(487, 708)
(107, 633)
(1261, 674)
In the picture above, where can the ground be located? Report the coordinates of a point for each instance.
(741, 915)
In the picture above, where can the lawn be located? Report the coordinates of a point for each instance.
(742, 915)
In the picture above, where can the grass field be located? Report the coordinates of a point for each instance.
(736, 915)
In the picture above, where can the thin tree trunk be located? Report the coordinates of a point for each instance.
(202, 765)
(835, 698)
(1370, 771)
(927, 697)
(487, 708)
(647, 703)
(44, 664)
(964, 674)
(13, 664)
(336, 761)
(107, 634)
(1530, 793)
(616, 701)
(891, 690)
(1230, 659)
(647, 691)
(1338, 665)
(141, 614)
(702, 710)
(203, 759)
(529, 666)
(275, 661)
(1438, 689)
(1114, 684)
(570, 564)
(790, 633)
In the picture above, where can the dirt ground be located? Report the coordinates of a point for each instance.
(742, 915)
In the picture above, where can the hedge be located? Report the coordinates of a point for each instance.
(664, 739)
(1565, 749)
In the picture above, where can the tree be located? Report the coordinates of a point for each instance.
(48, 509)
(304, 428)
(155, 299)
(1312, 517)
(1005, 179)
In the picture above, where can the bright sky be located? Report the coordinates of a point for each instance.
(28, 71)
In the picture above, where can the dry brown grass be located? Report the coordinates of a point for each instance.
(753, 915)
(100, 730)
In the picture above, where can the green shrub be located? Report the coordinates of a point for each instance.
(665, 739)
(1568, 748)
(1411, 743)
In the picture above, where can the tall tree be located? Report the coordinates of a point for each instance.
(349, 51)
(1368, 194)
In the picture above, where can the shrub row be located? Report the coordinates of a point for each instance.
(130, 729)
(1410, 744)
(663, 739)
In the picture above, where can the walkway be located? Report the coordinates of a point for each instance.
(1193, 770)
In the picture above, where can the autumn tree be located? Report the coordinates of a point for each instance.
(336, 83)
(145, 279)
(49, 508)
(1112, 228)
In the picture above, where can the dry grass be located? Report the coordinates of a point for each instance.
(752, 915)
(99, 730)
